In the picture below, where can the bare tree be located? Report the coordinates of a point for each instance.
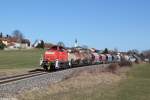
(146, 53)
(84, 46)
(134, 51)
(61, 44)
(18, 35)
(115, 50)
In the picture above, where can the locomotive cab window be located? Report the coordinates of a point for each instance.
(61, 49)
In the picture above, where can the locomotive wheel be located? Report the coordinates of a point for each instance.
(45, 68)
(89, 62)
(52, 67)
(78, 62)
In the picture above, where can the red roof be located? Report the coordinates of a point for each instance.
(9, 40)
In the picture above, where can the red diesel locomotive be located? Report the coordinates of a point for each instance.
(54, 58)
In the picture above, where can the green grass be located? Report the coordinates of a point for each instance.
(20, 58)
(137, 86)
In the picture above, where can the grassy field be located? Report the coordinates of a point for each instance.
(105, 86)
(137, 86)
(20, 59)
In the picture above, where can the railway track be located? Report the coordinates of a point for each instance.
(18, 84)
(5, 80)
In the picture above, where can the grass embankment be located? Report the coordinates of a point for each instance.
(90, 85)
(20, 59)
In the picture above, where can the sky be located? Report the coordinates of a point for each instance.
(121, 24)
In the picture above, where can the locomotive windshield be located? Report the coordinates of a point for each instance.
(57, 48)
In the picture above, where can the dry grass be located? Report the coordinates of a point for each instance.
(99, 86)
(113, 67)
(9, 72)
(82, 83)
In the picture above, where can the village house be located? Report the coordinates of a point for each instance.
(14, 43)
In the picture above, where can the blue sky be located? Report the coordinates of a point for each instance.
(122, 24)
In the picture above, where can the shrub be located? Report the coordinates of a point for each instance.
(113, 67)
(2, 45)
(125, 63)
(137, 62)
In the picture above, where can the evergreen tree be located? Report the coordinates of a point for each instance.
(2, 45)
(1, 35)
(41, 45)
(105, 51)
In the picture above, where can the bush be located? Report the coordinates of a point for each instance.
(125, 63)
(113, 67)
(137, 62)
(2, 46)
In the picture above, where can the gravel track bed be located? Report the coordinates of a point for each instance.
(42, 81)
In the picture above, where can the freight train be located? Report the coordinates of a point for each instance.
(58, 57)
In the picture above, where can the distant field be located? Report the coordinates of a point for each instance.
(20, 58)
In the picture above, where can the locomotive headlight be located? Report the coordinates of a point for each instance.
(49, 52)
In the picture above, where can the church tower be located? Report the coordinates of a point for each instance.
(76, 43)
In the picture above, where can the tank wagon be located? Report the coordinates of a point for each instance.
(109, 58)
(79, 56)
(116, 58)
(103, 58)
(96, 58)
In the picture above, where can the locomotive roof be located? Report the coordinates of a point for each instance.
(57, 46)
